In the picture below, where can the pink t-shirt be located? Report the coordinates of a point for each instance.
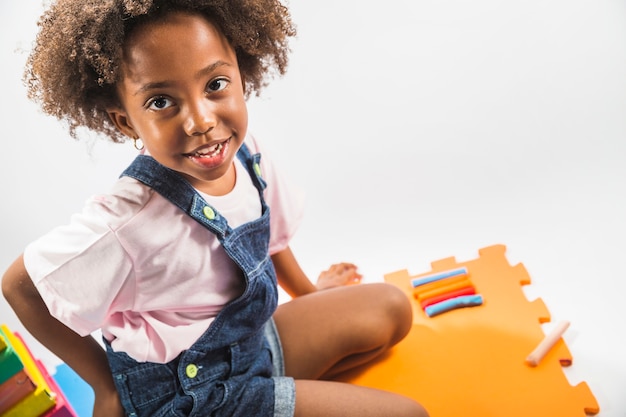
(149, 276)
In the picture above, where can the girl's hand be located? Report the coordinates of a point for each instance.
(108, 405)
(338, 275)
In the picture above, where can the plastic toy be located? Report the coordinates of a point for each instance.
(42, 398)
(28, 389)
(472, 361)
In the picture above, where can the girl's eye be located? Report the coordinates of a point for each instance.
(159, 103)
(217, 85)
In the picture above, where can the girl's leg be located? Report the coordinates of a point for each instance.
(330, 331)
(336, 399)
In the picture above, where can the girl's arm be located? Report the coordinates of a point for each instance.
(83, 354)
(295, 282)
(290, 276)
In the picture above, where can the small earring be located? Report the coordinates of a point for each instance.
(138, 143)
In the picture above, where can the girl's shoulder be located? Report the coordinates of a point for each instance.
(126, 198)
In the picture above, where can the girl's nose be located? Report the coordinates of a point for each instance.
(200, 119)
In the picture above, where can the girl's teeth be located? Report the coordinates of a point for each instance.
(213, 151)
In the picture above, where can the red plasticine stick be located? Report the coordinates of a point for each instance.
(469, 290)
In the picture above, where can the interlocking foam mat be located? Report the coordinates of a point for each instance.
(471, 361)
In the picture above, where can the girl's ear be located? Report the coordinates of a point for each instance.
(122, 122)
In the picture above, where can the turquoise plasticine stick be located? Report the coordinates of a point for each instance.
(438, 276)
(453, 303)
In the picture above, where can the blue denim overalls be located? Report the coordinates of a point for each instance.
(228, 370)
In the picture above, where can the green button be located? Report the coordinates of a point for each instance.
(257, 168)
(191, 370)
(208, 212)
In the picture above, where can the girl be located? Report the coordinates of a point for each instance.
(176, 264)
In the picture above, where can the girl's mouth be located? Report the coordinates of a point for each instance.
(209, 152)
(210, 156)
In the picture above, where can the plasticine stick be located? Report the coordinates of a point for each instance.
(443, 289)
(453, 303)
(437, 299)
(437, 284)
(547, 343)
(416, 282)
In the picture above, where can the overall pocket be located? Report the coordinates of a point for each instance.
(146, 390)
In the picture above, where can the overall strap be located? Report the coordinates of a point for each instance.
(252, 163)
(181, 193)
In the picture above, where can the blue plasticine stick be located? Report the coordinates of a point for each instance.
(452, 303)
(438, 276)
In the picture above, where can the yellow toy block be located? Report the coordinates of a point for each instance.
(3, 344)
(10, 362)
(42, 399)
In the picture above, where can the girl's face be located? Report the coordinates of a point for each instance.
(183, 95)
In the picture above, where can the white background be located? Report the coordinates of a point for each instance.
(419, 130)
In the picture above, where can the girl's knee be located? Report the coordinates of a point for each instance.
(420, 411)
(408, 407)
(397, 307)
(399, 303)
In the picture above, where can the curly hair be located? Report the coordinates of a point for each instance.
(75, 63)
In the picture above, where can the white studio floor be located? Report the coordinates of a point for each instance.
(418, 130)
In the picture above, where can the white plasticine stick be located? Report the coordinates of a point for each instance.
(547, 343)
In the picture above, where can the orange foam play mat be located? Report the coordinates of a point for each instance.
(470, 361)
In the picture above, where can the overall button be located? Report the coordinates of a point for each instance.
(257, 168)
(191, 370)
(208, 212)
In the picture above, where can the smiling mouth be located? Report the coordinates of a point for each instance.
(209, 151)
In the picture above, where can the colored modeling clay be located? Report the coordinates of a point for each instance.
(416, 282)
(438, 284)
(453, 303)
(452, 294)
(547, 343)
(443, 289)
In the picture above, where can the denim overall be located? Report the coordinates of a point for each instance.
(228, 370)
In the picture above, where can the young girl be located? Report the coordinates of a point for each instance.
(178, 263)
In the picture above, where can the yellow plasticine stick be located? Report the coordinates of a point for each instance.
(444, 289)
(42, 399)
(437, 284)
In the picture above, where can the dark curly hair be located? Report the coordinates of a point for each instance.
(75, 63)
